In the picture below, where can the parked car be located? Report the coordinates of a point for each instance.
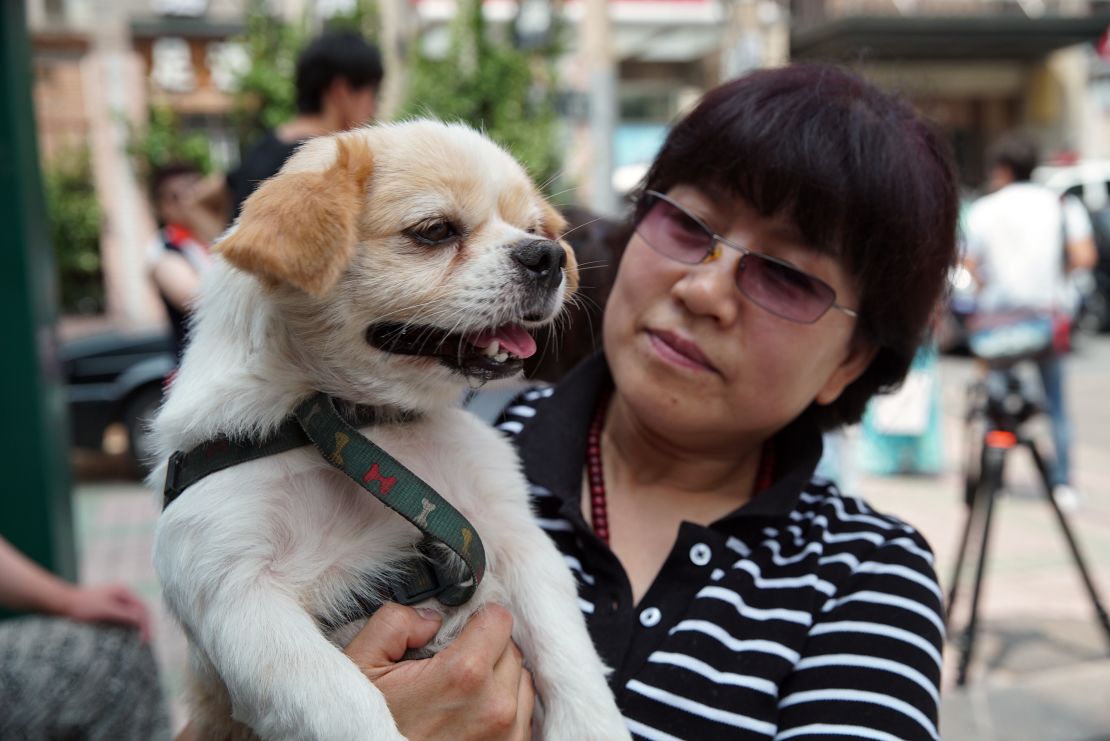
(116, 377)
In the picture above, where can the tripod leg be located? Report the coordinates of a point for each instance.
(953, 589)
(974, 466)
(1073, 544)
(990, 483)
(973, 513)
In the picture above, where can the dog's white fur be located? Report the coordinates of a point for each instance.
(249, 556)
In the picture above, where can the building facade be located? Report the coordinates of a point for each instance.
(978, 67)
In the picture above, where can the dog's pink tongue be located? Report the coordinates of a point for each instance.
(512, 337)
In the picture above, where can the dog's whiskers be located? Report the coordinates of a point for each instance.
(576, 228)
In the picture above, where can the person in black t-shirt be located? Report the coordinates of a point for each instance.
(337, 80)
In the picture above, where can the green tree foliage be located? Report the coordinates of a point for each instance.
(493, 86)
(265, 94)
(164, 141)
(73, 213)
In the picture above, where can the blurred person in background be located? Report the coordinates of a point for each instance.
(81, 668)
(337, 80)
(1022, 241)
(791, 241)
(176, 258)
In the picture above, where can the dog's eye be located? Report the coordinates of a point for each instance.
(434, 232)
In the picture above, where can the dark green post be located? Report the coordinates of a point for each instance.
(35, 510)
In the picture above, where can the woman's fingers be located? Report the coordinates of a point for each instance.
(109, 603)
(476, 688)
(133, 611)
(481, 644)
(389, 632)
(525, 703)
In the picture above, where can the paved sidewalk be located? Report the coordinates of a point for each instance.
(1042, 665)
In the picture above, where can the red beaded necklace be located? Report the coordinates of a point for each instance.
(599, 511)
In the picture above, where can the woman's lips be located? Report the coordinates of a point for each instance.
(679, 351)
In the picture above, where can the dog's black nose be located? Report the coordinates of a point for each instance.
(542, 260)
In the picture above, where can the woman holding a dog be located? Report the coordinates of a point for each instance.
(790, 242)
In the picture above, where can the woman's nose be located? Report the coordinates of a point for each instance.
(709, 288)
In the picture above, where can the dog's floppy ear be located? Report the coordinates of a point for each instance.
(301, 227)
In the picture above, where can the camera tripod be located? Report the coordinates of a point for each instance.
(1001, 404)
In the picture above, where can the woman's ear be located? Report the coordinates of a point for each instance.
(859, 357)
(301, 227)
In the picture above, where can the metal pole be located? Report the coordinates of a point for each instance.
(398, 34)
(35, 508)
(603, 105)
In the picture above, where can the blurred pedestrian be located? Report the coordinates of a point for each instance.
(1022, 242)
(176, 257)
(81, 668)
(337, 80)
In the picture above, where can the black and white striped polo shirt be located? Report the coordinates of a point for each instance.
(803, 614)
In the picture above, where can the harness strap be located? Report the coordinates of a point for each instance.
(316, 421)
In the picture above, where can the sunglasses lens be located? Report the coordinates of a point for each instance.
(672, 233)
(780, 289)
(783, 290)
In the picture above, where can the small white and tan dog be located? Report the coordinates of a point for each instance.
(388, 266)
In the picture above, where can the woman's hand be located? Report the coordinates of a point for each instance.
(110, 603)
(476, 688)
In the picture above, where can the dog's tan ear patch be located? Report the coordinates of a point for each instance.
(571, 268)
(301, 228)
(553, 222)
(554, 225)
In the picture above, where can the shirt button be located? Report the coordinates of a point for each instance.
(650, 617)
(700, 554)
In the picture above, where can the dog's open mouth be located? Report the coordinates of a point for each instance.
(488, 354)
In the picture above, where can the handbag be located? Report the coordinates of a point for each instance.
(1061, 332)
(1012, 336)
(905, 412)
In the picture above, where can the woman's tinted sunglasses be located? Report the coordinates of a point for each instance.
(771, 284)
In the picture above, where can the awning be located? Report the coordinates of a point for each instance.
(190, 28)
(866, 38)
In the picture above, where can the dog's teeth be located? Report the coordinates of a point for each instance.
(501, 357)
(492, 349)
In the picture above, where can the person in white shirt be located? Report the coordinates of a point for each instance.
(1022, 241)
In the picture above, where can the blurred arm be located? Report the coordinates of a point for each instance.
(24, 585)
(176, 279)
(1081, 253)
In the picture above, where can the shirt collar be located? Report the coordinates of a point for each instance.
(553, 451)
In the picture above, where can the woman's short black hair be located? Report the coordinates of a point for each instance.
(335, 55)
(865, 178)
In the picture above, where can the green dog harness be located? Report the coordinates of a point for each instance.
(317, 422)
